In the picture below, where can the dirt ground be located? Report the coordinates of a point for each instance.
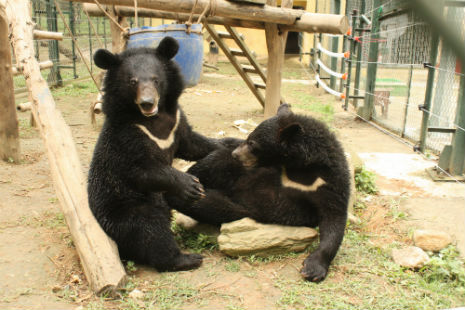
(39, 265)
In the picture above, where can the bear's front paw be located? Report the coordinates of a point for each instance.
(187, 262)
(314, 270)
(191, 189)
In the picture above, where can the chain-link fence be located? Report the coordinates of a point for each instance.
(404, 46)
(91, 33)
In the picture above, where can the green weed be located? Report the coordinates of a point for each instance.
(365, 181)
(196, 242)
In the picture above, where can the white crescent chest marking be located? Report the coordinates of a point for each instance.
(286, 182)
(162, 143)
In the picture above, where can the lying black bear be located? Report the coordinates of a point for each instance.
(131, 168)
(291, 170)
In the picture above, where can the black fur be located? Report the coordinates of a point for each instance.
(307, 150)
(129, 172)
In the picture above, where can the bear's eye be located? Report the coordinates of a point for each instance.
(251, 143)
(133, 82)
(154, 79)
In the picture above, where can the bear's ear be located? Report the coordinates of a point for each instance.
(284, 110)
(105, 59)
(167, 48)
(288, 132)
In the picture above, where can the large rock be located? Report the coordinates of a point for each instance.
(247, 237)
(410, 257)
(431, 240)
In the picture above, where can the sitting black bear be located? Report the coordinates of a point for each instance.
(291, 170)
(131, 169)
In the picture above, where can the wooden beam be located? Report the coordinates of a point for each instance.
(47, 35)
(275, 43)
(42, 65)
(9, 134)
(98, 253)
(308, 22)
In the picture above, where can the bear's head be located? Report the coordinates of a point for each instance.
(141, 81)
(272, 140)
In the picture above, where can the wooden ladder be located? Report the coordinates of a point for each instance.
(243, 51)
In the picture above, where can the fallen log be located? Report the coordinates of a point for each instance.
(233, 14)
(308, 22)
(98, 253)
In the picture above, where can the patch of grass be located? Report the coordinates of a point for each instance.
(131, 266)
(232, 265)
(445, 267)
(365, 181)
(193, 241)
(77, 89)
(26, 131)
(300, 97)
(364, 276)
(270, 258)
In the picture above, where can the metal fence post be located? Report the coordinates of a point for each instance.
(73, 31)
(336, 8)
(429, 91)
(457, 159)
(367, 110)
(359, 47)
(349, 60)
(54, 77)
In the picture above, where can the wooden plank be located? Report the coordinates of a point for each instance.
(98, 253)
(308, 22)
(237, 52)
(250, 1)
(248, 53)
(249, 69)
(234, 62)
(9, 134)
(224, 35)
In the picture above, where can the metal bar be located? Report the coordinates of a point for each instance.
(334, 44)
(73, 32)
(367, 110)
(349, 61)
(441, 130)
(357, 97)
(457, 159)
(404, 122)
(54, 76)
(429, 91)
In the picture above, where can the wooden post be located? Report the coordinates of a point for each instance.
(98, 253)
(9, 135)
(275, 43)
(118, 42)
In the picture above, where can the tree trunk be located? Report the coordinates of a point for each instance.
(9, 135)
(98, 253)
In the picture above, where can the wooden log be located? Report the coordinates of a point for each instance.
(275, 43)
(98, 253)
(23, 107)
(223, 8)
(47, 35)
(308, 22)
(42, 65)
(9, 134)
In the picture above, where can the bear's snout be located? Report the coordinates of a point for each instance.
(147, 99)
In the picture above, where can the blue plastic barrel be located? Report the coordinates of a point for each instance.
(190, 54)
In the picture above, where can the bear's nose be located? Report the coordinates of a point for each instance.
(147, 101)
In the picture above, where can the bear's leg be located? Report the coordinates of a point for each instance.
(215, 208)
(144, 235)
(332, 224)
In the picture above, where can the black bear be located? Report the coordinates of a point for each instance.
(291, 170)
(131, 170)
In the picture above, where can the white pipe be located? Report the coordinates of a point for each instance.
(331, 72)
(328, 89)
(333, 54)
